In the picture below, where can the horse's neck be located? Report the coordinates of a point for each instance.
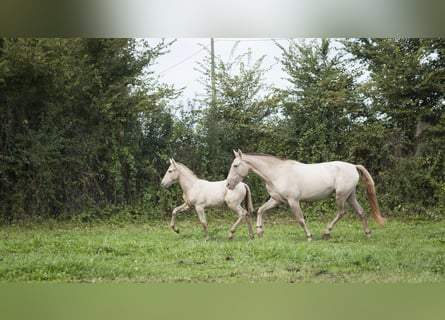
(187, 179)
(263, 166)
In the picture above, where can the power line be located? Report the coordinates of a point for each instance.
(250, 39)
(183, 60)
(219, 40)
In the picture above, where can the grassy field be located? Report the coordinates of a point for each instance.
(399, 252)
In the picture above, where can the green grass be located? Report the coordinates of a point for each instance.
(399, 252)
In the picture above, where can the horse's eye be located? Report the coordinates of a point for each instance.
(170, 171)
(235, 166)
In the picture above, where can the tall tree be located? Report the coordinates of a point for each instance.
(71, 123)
(407, 93)
(407, 78)
(244, 101)
(321, 102)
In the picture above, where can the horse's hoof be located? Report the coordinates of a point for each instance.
(260, 233)
(326, 236)
(230, 237)
(309, 239)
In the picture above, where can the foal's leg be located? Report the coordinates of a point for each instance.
(202, 219)
(181, 208)
(341, 211)
(352, 200)
(271, 203)
(242, 214)
(295, 206)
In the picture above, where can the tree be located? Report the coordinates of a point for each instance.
(406, 82)
(322, 102)
(243, 104)
(70, 119)
(407, 96)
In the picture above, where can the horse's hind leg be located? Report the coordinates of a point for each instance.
(242, 214)
(341, 212)
(352, 200)
(202, 219)
(249, 225)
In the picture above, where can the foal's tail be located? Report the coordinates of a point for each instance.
(248, 199)
(372, 197)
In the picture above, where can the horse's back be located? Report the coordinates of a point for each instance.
(345, 175)
(215, 193)
(317, 181)
(212, 189)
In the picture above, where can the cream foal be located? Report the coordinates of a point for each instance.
(201, 194)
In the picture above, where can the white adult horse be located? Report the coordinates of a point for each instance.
(289, 181)
(201, 194)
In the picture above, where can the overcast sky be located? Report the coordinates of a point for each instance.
(178, 66)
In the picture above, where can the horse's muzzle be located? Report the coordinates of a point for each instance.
(166, 184)
(231, 184)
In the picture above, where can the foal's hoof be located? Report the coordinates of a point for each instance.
(175, 229)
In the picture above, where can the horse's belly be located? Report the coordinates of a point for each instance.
(208, 194)
(311, 196)
(307, 191)
(208, 200)
(214, 203)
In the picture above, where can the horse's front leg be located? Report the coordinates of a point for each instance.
(202, 219)
(271, 203)
(295, 206)
(181, 208)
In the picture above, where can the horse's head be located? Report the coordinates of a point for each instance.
(238, 170)
(171, 176)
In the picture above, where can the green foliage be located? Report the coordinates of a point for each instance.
(321, 105)
(71, 134)
(86, 129)
(407, 100)
(238, 117)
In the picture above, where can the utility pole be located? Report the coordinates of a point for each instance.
(212, 68)
(214, 136)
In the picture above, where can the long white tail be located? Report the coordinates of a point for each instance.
(372, 196)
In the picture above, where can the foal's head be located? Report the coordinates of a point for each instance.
(171, 176)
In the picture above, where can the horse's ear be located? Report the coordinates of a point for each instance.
(173, 162)
(240, 153)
